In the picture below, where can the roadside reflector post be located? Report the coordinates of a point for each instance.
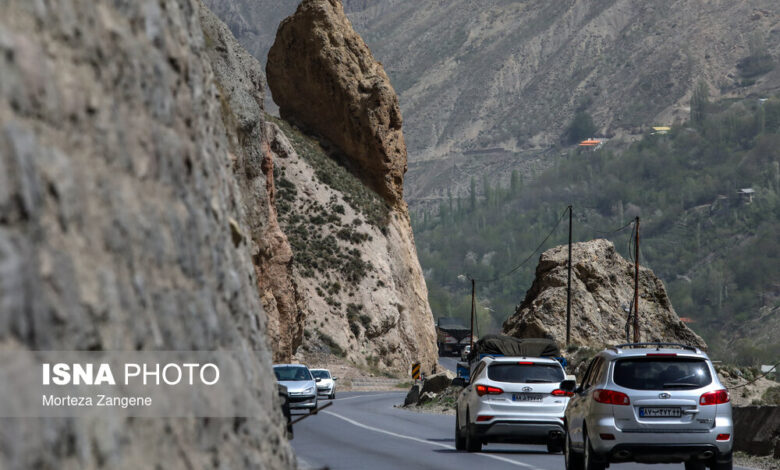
(416, 371)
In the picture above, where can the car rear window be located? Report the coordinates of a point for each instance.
(525, 373)
(662, 374)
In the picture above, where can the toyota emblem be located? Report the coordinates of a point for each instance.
(527, 389)
(664, 395)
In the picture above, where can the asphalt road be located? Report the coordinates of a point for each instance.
(363, 430)
(449, 362)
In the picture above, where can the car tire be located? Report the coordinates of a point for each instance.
(332, 396)
(572, 458)
(554, 446)
(314, 408)
(591, 460)
(726, 465)
(695, 466)
(460, 441)
(472, 443)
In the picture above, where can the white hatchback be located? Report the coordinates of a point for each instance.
(512, 399)
(326, 384)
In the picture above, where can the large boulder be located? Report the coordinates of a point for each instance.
(602, 286)
(436, 383)
(325, 80)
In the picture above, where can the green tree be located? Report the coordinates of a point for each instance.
(700, 101)
(581, 127)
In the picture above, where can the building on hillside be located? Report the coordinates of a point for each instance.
(746, 194)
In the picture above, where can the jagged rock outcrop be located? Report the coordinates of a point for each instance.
(354, 261)
(136, 214)
(602, 285)
(325, 80)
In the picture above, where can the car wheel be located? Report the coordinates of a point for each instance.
(728, 465)
(572, 459)
(460, 441)
(695, 466)
(472, 443)
(591, 460)
(313, 409)
(332, 395)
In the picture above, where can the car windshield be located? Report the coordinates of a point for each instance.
(320, 374)
(525, 373)
(291, 373)
(662, 374)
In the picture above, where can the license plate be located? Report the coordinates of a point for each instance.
(527, 397)
(660, 412)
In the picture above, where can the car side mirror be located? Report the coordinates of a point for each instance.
(318, 379)
(459, 382)
(568, 386)
(335, 378)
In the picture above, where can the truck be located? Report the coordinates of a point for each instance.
(501, 345)
(451, 336)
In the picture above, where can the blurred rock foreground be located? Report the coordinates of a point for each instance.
(602, 286)
(138, 211)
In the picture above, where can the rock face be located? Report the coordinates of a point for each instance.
(602, 283)
(325, 80)
(354, 262)
(136, 214)
(240, 83)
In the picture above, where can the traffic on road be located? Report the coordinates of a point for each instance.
(638, 404)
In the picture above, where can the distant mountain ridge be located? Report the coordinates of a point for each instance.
(511, 74)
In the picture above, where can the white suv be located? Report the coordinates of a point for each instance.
(652, 403)
(513, 399)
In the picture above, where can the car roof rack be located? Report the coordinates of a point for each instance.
(657, 345)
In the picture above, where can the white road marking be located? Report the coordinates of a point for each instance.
(423, 441)
(367, 396)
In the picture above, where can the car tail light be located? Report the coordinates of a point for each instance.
(607, 437)
(488, 390)
(611, 397)
(561, 393)
(718, 397)
(484, 418)
(525, 363)
(723, 437)
(661, 354)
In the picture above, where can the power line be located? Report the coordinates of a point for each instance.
(756, 379)
(522, 263)
(614, 231)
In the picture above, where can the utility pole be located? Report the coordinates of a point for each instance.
(473, 307)
(636, 282)
(568, 289)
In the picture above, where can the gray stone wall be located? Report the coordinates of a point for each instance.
(126, 189)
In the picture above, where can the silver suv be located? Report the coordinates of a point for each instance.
(653, 403)
(512, 399)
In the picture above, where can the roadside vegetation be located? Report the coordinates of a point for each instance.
(715, 249)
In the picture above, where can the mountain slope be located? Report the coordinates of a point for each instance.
(490, 87)
(714, 248)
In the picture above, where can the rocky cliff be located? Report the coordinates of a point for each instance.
(341, 194)
(324, 79)
(136, 213)
(602, 286)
